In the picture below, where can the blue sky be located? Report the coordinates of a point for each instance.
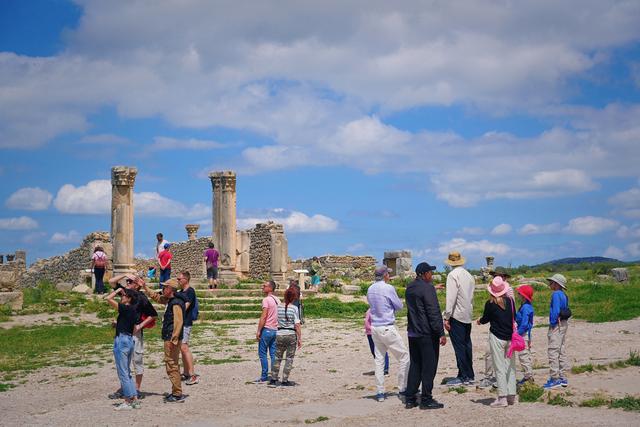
(487, 128)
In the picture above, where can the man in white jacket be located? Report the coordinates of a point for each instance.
(458, 316)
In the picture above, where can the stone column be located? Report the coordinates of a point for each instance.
(223, 184)
(279, 255)
(192, 231)
(122, 180)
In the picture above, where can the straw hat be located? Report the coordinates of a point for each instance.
(559, 279)
(455, 259)
(172, 283)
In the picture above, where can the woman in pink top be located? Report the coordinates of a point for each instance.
(98, 267)
(367, 330)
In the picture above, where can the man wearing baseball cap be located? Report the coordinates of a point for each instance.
(426, 334)
(384, 302)
(172, 331)
(458, 317)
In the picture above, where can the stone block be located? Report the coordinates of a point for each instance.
(12, 299)
(82, 289)
(620, 274)
(64, 286)
(350, 290)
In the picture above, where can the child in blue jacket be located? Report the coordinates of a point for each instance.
(524, 319)
(558, 363)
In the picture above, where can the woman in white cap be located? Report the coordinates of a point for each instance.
(558, 324)
(499, 313)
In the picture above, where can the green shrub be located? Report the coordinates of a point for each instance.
(628, 403)
(596, 401)
(634, 358)
(558, 400)
(580, 369)
(530, 392)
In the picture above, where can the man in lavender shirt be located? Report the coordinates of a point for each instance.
(384, 302)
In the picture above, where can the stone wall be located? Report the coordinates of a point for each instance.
(70, 267)
(260, 252)
(12, 266)
(340, 266)
(187, 256)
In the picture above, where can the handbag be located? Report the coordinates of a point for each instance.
(517, 341)
(148, 325)
(565, 313)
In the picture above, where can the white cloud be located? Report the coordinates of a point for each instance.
(165, 143)
(627, 203)
(92, 198)
(19, 223)
(482, 247)
(29, 198)
(629, 232)
(501, 229)
(590, 225)
(104, 139)
(71, 237)
(95, 198)
(614, 252)
(293, 221)
(633, 249)
(528, 229)
(472, 231)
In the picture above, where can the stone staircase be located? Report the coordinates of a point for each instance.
(243, 301)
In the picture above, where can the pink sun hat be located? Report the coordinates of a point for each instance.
(498, 287)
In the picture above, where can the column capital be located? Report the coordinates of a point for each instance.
(123, 176)
(223, 180)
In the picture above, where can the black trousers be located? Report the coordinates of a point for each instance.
(460, 335)
(99, 273)
(424, 353)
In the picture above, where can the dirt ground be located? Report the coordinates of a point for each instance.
(333, 374)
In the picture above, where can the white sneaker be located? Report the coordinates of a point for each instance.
(500, 402)
(123, 406)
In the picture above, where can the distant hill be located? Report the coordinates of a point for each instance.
(588, 260)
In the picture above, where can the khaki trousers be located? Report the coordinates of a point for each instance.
(524, 357)
(171, 357)
(505, 368)
(558, 363)
(387, 339)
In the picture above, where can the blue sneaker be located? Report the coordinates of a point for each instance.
(524, 380)
(454, 382)
(380, 397)
(552, 383)
(564, 382)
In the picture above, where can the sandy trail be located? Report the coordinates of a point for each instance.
(330, 371)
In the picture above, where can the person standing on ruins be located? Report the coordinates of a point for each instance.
(172, 333)
(160, 244)
(164, 258)
(426, 334)
(458, 317)
(99, 263)
(384, 302)
(211, 256)
(189, 294)
(267, 329)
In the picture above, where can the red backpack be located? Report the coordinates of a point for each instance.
(100, 261)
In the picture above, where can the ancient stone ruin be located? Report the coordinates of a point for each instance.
(400, 262)
(10, 271)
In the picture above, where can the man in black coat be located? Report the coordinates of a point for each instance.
(425, 329)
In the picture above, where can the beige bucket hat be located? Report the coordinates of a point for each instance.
(455, 259)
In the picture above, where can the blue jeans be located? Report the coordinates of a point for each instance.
(267, 342)
(123, 353)
(372, 347)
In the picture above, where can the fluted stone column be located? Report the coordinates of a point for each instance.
(223, 184)
(122, 180)
(192, 231)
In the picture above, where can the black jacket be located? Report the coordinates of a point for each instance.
(167, 321)
(423, 310)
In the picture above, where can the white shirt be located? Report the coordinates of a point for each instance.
(460, 288)
(160, 247)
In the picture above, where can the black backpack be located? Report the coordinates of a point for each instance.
(565, 312)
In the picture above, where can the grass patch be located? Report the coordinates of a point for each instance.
(6, 387)
(333, 308)
(628, 403)
(459, 389)
(632, 360)
(581, 369)
(596, 401)
(210, 361)
(319, 419)
(558, 400)
(530, 392)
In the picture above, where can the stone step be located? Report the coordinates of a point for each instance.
(205, 286)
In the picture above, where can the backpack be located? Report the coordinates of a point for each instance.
(100, 262)
(195, 311)
(565, 313)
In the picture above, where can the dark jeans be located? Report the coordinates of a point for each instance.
(99, 273)
(424, 353)
(373, 351)
(460, 335)
(165, 275)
